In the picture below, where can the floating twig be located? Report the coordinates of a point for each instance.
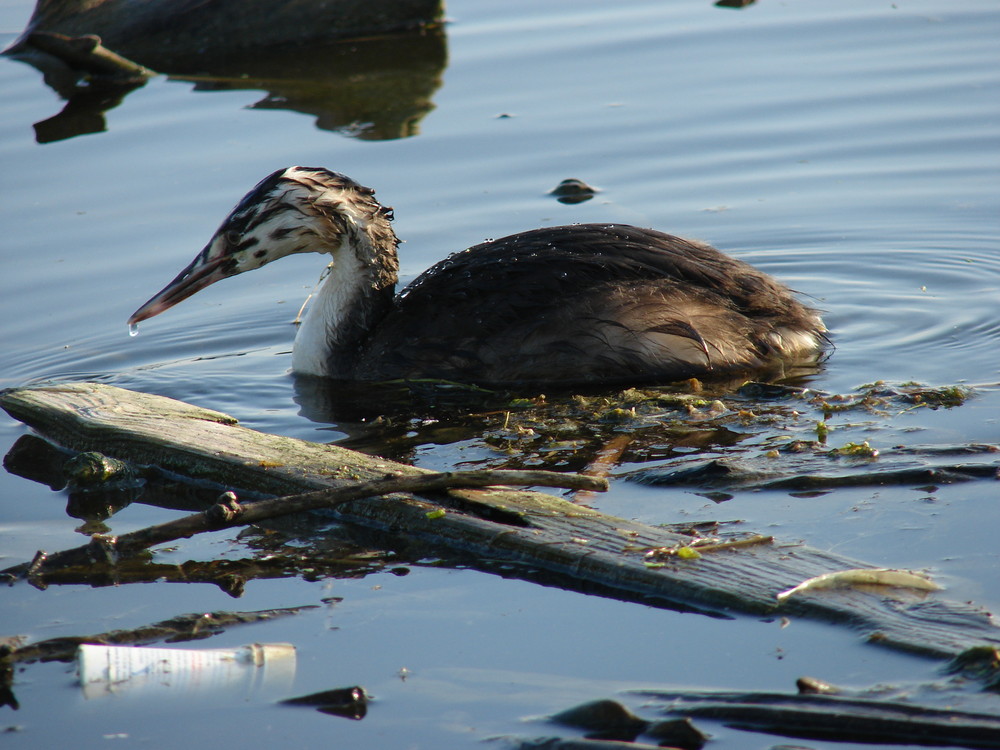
(694, 549)
(750, 541)
(604, 463)
(229, 513)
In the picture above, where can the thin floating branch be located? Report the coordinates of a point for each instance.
(229, 513)
(694, 549)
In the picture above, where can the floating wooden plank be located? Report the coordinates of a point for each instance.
(580, 547)
(879, 720)
(834, 717)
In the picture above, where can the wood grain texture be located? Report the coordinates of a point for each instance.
(577, 547)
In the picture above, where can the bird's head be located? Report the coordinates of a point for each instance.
(294, 210)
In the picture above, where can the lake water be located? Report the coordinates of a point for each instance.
(852, 149)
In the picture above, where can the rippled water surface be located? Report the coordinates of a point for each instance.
(852, 149)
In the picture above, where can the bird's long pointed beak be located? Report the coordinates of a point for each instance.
(203, 271)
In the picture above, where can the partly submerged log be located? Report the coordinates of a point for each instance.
(576, 547)
(834, 717)
(875, 719)
(196, 28)
(367, 69)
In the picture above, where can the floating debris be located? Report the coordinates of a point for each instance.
(350, 702)
(109, 669)
(93, 468)
(189, 627)
(863, 577)
(608, 717)
(979, 662)
(856, 450)
(573, 191)
(679, 733)
(694, 549)
(812, 686)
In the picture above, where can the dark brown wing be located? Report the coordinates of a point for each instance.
(584, 303)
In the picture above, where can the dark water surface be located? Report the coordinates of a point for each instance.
(851, 148)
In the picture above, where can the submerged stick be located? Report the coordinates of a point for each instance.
(228, 513)
(604, 463)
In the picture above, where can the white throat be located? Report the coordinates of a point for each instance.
(330, 307)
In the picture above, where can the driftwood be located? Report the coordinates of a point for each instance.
(202, 28)
(833, 717)
(806, 716)
(229, 513)
(576, 547)
(367, 69)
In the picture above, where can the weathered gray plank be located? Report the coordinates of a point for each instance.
(581, 545)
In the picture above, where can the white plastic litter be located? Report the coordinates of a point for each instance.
(107, 670)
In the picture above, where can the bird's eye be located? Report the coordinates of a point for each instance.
(233, 238)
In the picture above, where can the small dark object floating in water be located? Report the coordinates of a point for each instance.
(573, 191)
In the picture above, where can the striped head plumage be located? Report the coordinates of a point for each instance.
(293, 210)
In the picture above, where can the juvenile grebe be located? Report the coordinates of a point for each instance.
(571, 305)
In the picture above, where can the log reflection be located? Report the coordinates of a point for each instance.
(366, 73)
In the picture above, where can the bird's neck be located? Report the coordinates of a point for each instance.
(356, 295)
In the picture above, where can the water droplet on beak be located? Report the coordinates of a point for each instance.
(133, 329)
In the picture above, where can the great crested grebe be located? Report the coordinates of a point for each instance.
(587, 304)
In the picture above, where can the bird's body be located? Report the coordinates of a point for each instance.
(585, 304)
